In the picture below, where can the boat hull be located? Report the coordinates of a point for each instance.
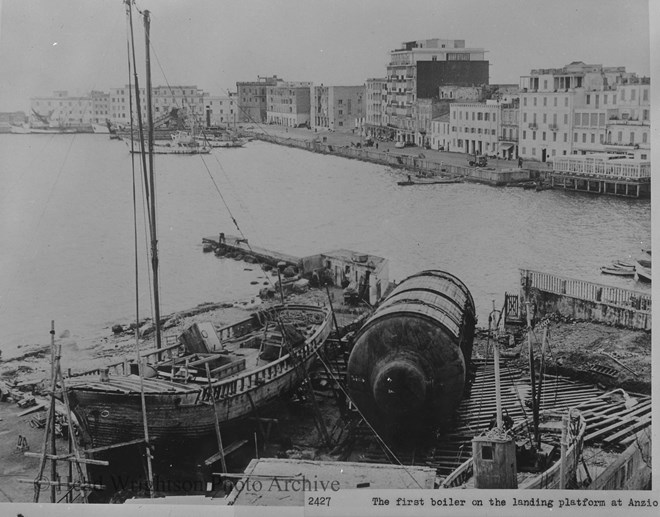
(112, 413)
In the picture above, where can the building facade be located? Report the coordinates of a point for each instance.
(62, 110)
(252, 99)
(221, 110)
(440, 133)
(418, 69)
(337, 107)
(565, 110)
(289, 104)
(509, 129)
(474, 127)
(187, 102)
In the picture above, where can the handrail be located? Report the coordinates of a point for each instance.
(588, 291)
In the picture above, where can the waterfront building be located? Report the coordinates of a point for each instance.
(508, 132)
(549, 100)
(252, 99)
(474, 127)
(337, 107)
(424, 111)
(289, 104)
(629, 125)
(376, 96)
(61, 110)
(418, 69)
(100, 106)
(184, 102)
(221, 110)
(440, 133)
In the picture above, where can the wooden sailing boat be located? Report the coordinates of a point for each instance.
(164, 394)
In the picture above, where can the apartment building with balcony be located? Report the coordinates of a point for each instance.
(508, 133)
(289, 104)
(418, 69)
(375, 99)
(252, 99)
(337, 107)
(550, 100)
(629, 126)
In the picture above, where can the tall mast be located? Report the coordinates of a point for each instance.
(152, 187)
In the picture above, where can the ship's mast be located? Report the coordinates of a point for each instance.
(152, 187)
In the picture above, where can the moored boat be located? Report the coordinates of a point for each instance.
(250, 363)
(643, 270)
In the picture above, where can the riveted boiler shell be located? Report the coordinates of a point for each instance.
(408, 364)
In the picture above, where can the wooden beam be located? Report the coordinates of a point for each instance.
(67, 457)
(231, 448)
(114, 446)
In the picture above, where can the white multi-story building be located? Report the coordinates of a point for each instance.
(418, 69)
(550, 101)
(337, 107)
(440, 133)
(376, 97)
(62, 110)
(474, 127)
(289, 104)
(187, 101)
(221, 110)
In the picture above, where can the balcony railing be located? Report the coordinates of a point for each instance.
(508, 139)
(553, 127)
(533, 125)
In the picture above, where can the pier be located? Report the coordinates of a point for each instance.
(231, 243)
(602, 174)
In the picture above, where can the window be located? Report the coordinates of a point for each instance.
(533, 135)
(623, 95)
(492, 131)
(524, 101)
(645, 138)
(524, 118)
(533, 151)
(566, 118)
(632, 137)
(566, 137)
(534, 101)
(494, 117)
(555, 102)
(584, 138)
(545, 84)
(543, 136)
(593, 138)
(524, 150)
(545, 118)
(588, 99)
(643, 156)
(566, 102)
(632, 94)
(554, 136)
(620, 136)
(554, 152)
(574, 137)
(545, 101)
(605, 99)
(645, 94)
(486, 115)
(524, 135)
(602, 138)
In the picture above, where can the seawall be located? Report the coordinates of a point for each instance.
(417, 164)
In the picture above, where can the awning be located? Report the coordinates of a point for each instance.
(505, 147)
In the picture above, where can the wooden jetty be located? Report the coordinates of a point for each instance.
(232, 243)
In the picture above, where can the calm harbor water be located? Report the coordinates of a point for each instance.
(66, 230)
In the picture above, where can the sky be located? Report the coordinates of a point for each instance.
(80, 45)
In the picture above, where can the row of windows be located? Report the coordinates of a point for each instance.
(476, 115)
(553, 151)
(545, 118)
(545, 101)
(543, 135)
(472, 130)
(631, 140)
